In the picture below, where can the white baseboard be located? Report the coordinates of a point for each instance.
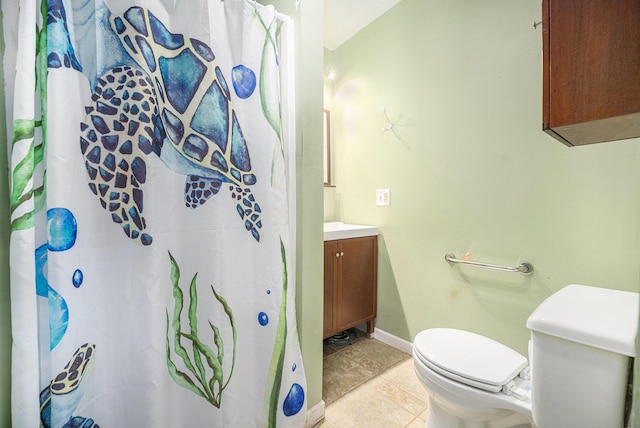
(315, 414)
(392, 340)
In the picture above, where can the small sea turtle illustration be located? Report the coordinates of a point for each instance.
(172, 101)
(61, 397)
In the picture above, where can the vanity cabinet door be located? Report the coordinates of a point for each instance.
(350, 284)
(330, 280)
(591, 69)
(357, 273)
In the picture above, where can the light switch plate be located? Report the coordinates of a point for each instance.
(382, 197)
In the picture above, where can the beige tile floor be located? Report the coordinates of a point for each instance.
(368, 384)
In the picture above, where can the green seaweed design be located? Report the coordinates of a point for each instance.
(206, 382)
(273, 113)
(24, 132)
(277, 357)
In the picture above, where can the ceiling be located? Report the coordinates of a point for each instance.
(344, 18)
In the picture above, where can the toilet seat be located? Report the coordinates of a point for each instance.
(469, 358)
(453, 395)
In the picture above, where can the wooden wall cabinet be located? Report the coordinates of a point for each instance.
(591, 70)
(350, 284)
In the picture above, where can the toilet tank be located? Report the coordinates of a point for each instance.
(583, 343)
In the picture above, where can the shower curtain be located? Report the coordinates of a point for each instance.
(151, 253)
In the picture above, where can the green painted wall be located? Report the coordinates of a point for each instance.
(5, 314)
(470, 170)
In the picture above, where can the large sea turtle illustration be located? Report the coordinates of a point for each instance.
(172, 101)
(61, 397)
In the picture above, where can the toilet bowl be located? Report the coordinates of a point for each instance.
(581, 350)
(472, 379)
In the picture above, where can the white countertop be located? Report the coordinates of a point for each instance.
(338, 230)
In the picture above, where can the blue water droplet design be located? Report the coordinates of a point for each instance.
(294, 400)
(58, 309)
(41, 281)
(268, 291)
(263, 319)
(244, 81)
(77, 278)
(62, 229)
(58, 317)
(294, 367)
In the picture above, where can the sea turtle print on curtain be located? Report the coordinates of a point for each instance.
(157, 305)
(174, 102)
(68, 388)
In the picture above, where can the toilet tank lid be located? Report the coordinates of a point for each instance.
(602, 318)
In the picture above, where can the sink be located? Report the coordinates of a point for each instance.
(339, 230)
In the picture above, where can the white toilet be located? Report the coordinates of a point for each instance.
(583, 341)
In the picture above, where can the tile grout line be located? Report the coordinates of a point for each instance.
(370, 356)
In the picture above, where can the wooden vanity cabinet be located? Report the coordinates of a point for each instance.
(350, 284)
(591, 70)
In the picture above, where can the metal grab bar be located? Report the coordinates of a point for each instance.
(524, 268)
